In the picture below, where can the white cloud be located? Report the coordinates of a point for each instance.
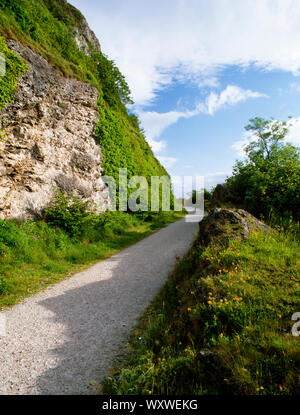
(240, 145)
(167, 161)
(157, 145)
(211, 82)
(292, 137)
(294, 86)
(230, 96)
(212, 179)
(154, 123)
(155, 42)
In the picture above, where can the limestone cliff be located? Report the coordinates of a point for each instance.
(63, 120)
(48, 140)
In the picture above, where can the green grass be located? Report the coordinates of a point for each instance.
(14, 68)
(36, 255)
(48, 26)
(221, 325)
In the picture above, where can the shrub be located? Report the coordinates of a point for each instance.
(10, 234)
(68, 213)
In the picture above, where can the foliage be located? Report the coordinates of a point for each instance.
(114, 87)
(5, 287)
(268, 181)
(222, 324)
(15, 67)
(49, 26)
(38, 254)
(196, 196)
(15, 232)
(123, 146)
(68, 213)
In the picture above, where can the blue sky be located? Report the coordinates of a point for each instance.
(199, 70)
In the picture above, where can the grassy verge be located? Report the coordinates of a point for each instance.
(36, 254)
(222, 324)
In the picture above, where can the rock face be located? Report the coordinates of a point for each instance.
(222, 224)
(49, 140)
(86, 38)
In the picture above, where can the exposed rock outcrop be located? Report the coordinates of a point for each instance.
(86, 38)
(49, 140)
(222, 224)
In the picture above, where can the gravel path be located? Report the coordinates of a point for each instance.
(64, 339)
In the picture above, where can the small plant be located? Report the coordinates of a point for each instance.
(68, 213)
(16, 233)
(5, 287)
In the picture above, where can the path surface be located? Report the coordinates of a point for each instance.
(62, 340)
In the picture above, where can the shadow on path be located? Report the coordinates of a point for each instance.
(99, 315)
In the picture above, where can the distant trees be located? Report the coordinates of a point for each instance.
(196, 195)
(268, 180)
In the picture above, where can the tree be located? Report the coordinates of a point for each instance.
(268, 134)
(115, 89)
(268, 180)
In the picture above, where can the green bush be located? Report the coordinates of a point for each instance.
(68, 213)
(15, 67)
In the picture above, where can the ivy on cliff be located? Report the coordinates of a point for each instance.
(14, 68)
(124, 146)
